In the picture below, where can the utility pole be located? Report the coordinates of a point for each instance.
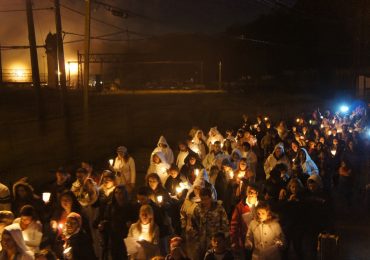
(220, 75)
(61, 61)
(34, 61)
(87, 58)
(1, 70)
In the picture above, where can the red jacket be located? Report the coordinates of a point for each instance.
(240, 219)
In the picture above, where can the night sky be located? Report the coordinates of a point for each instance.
(148, 18)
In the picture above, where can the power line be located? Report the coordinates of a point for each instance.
(103, 22)
(24, 10)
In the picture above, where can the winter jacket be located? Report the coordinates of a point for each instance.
(266, 239)
(167, 152)
(241, 218)
(159, 168)
(206, 222)
(309, 167)
(272, 161)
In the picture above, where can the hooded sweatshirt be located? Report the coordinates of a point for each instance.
(159, 168)
(214, 136)
(168, 154)
(16, 234)
(272, 161)
(308, 166)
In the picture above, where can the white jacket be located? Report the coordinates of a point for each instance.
(168, 154)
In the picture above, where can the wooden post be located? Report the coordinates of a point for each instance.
(61, 61)
(87, 58)
(34, 60)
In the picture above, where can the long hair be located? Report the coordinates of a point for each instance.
(124, 190)
(76, 207)
(149, 210)
(154, 176)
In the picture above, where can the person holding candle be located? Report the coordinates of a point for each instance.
(186, 216)
(192, 166)
(78, 244)
(198, 144)
(114, 223)
(251, 159)
(214, 136)
(277, 156)
(264, 235)
(146, 232)
(124, 167)
(184, 151)
(162, 146)
(215, 156)
(13, 246)
(177, 186)
(157, 193)
(308, 165)
(161, 216)
(159, 166)
(31, 228)
(242, 215)
(67, 203)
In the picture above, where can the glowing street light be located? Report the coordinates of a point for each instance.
(344, 108)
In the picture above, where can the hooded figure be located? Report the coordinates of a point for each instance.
(277, 156)
(213, 136)
(198, 144)
(159, 165)
(12, 236)
(162, 146)
(308, 165)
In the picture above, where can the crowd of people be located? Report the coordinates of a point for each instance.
(264, 191)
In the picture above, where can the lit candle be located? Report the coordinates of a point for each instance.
(297, 120)
(111, 162)
(333, 152)
(160, 198)
(310, 122)
(329, 132)
(178, 190)
(266, 118)
(321, 117)
(293, 159)
(241, 175)
(302, 137)
(60, 226)
(322, 126)
(231, 174)
(350, 130)
(256, 125)
(196, 172)
(46, 197)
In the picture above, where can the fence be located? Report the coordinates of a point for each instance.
(21, 76)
